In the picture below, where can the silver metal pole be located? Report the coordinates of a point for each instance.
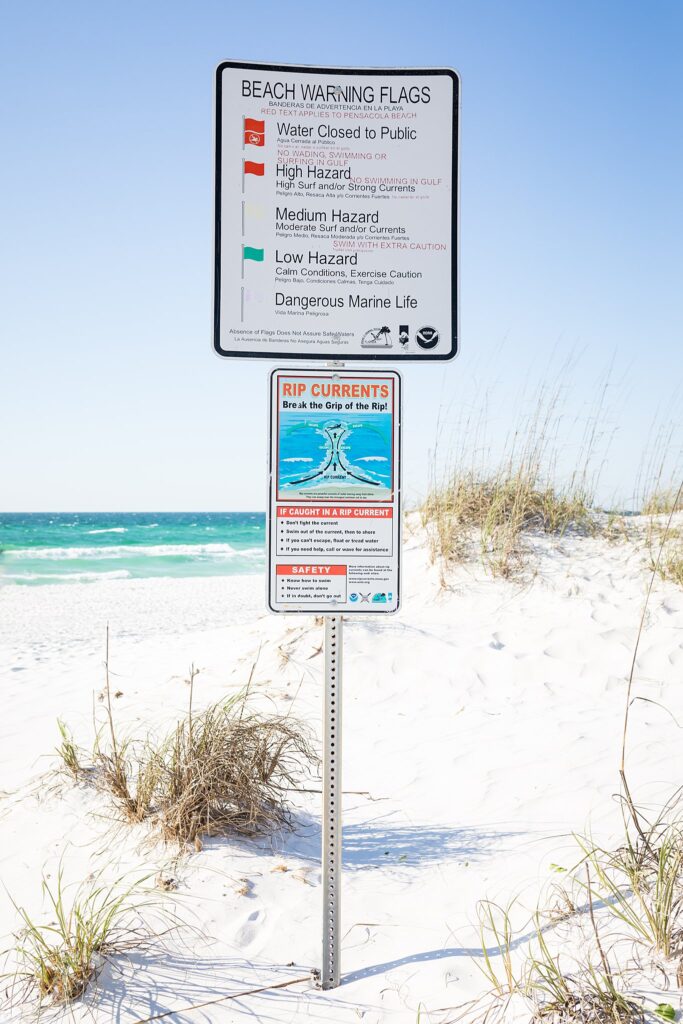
(332, 820)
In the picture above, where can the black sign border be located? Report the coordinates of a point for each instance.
(343, 356)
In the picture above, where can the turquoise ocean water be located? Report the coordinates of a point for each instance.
(40, 548)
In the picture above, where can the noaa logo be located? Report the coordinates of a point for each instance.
(353, 597)
(427, 337)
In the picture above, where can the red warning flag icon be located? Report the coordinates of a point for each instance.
(252, 168)
(254, 132)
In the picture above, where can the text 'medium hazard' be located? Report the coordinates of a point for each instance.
(334, 505)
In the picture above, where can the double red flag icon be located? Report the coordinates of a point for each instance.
(253, 168)
(254, 132)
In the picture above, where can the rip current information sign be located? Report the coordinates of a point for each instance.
(335, 491)
(336, 216)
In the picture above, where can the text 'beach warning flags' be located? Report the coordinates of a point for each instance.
(254, 132)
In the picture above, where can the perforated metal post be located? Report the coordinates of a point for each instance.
(332, 824)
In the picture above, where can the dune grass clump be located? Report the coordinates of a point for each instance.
(669, 564)
(224, 769)
(589, 993)
(490, 516)
(671, 567)
(664, 537)
(491, 494)
(553, 988)
(57, 961)
(663, 502)
(641, 885)
(639, 888)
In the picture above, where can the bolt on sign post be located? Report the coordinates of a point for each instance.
(336, 240)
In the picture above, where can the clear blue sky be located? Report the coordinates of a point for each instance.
(572, 220)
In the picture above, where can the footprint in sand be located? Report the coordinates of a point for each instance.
(247, 933)
(676, 656)
(603, 615)
(617, 636)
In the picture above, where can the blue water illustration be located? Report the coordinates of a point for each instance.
(345, 453)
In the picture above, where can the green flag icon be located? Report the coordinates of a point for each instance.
(248, 253)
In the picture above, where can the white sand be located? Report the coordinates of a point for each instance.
(482, 726)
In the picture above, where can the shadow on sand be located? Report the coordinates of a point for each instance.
(382, 843)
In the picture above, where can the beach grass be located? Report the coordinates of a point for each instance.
(490, 517)
(68, 751)
(666, 552)
(496, 937)
(662, 502)
(57, 961)
(664, 536)
(641, 885)
(487, 499)
(223, 769)
(638, 886)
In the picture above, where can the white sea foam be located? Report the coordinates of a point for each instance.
(123, 550)
(70, 577)
(111, 529)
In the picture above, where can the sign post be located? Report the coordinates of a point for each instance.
(336, 239)
(332, 792)
(334, 528)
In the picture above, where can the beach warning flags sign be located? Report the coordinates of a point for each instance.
(254, 132)
(307, 203)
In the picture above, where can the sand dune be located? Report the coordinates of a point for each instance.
(482, 726)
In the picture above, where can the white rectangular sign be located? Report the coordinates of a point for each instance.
(336, 212)
(334, 520)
